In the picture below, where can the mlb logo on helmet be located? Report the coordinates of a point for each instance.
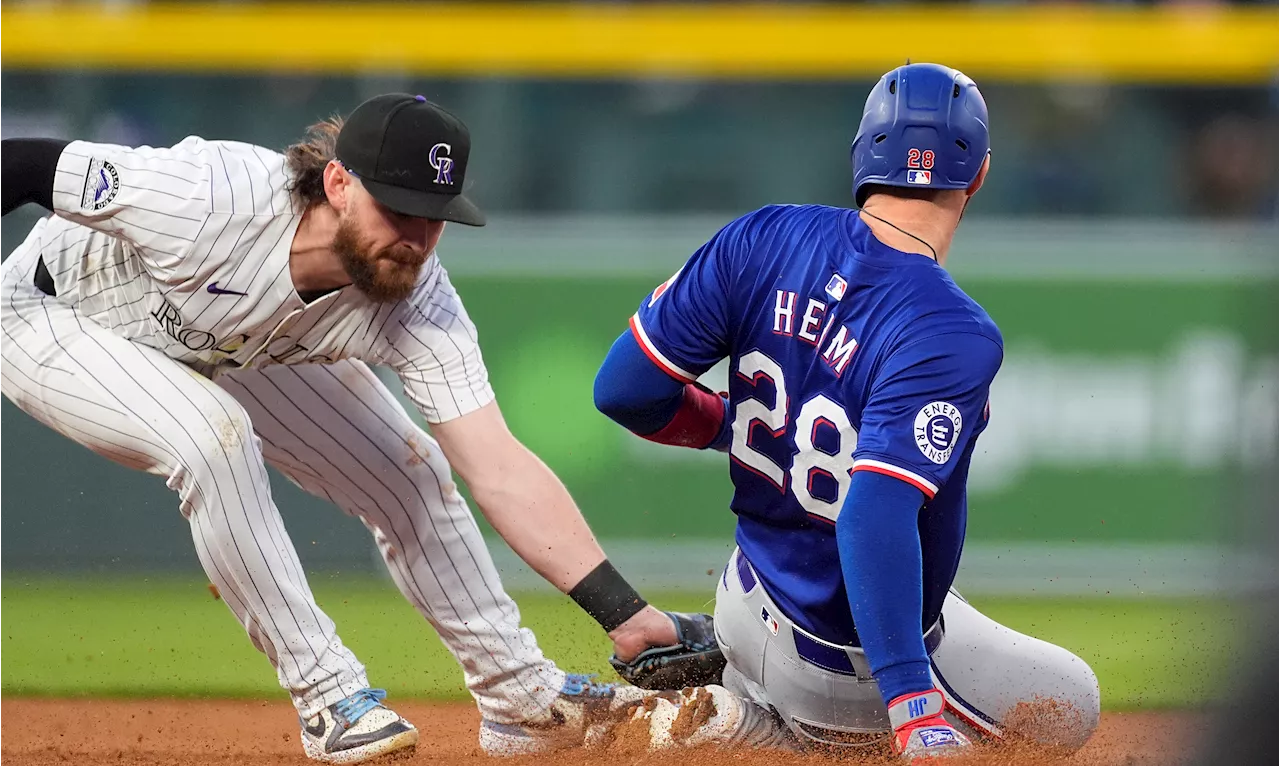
(921, 177)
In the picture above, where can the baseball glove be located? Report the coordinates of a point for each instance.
(695, 661)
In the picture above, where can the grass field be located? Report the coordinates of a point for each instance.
(158, 637)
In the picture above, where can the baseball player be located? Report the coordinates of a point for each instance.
(201, 311)
(859, 386)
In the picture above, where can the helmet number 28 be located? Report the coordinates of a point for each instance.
(918, 159)
(809, 459)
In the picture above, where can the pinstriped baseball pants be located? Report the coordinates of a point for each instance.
(334, 430)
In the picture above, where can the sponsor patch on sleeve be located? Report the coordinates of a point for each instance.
(937, 430)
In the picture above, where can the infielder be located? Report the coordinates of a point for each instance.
(201, 311)
(858, 388)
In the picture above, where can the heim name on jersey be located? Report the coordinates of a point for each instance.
(814, 325)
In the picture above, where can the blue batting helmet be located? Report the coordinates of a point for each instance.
(924, 126)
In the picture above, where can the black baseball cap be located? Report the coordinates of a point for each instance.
(411, 155)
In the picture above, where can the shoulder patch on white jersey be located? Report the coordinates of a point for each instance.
(101, 182)
(937, 430)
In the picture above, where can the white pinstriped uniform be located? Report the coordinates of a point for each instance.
(139, 360)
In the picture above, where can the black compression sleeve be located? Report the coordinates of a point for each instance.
(29, 165)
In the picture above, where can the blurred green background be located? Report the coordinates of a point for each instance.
(138, 637)
(1125, 244)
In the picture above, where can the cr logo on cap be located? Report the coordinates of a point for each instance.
(442, 162)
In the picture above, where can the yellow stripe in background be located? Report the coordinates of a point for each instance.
(1164, 44)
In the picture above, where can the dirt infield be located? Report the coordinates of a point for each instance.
(222, 733)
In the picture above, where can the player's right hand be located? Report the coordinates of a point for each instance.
(920, 731)
(647, 628)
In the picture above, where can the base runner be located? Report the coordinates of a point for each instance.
(859, 386)
(202, 311)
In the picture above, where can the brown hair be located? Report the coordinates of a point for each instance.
(308, 158)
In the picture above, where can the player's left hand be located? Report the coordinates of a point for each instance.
(682, 653)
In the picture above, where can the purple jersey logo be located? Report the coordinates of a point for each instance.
(213, 289)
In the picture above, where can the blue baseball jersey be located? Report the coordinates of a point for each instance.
(845, 355)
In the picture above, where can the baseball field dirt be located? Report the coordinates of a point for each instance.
(222, 733)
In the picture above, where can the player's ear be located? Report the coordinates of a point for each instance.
(982, 176)
(338, 185)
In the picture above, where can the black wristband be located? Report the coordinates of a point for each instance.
(607, 597)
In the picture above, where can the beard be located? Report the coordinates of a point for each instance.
(386, 275)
